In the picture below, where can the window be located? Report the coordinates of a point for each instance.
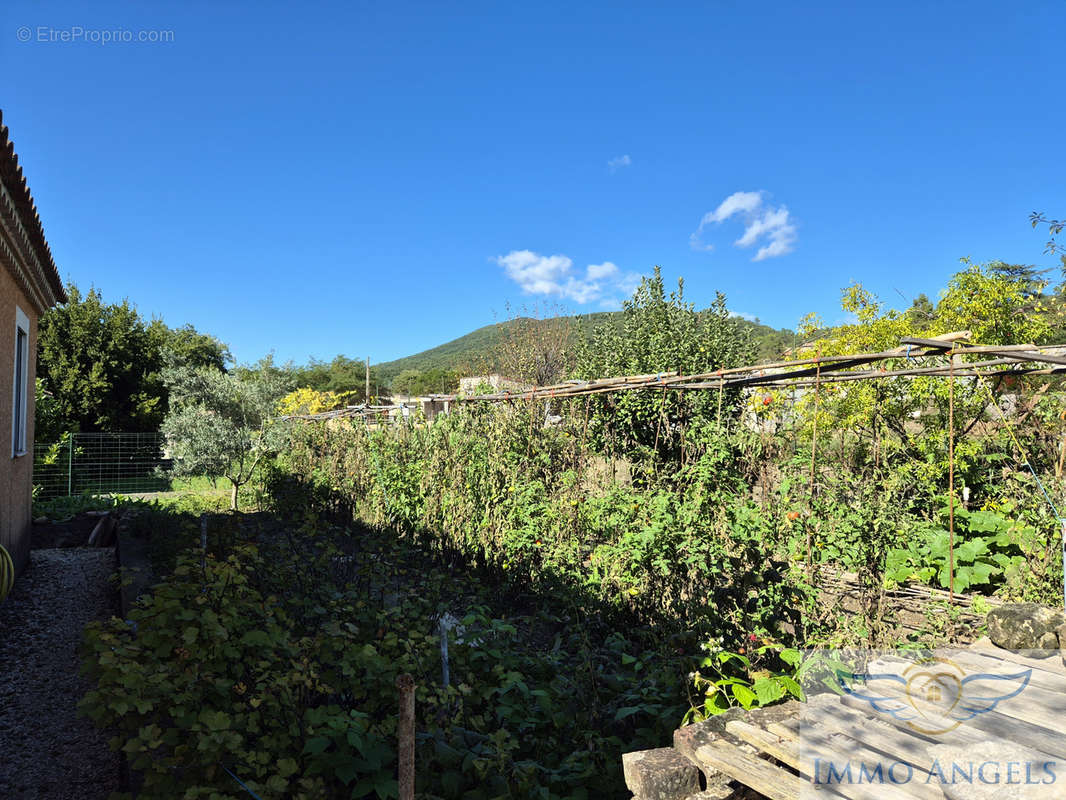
(22, 370)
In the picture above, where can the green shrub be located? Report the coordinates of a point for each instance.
(272, 665)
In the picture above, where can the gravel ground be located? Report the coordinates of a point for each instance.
(46, 750)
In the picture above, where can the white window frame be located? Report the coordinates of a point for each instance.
(20, 370)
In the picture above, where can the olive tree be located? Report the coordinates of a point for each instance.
(222, 424)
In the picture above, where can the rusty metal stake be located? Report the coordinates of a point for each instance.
(405, 732)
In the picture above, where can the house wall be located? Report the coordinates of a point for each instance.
(432, 408)
(16, 474)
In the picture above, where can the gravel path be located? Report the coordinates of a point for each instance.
(46, 750)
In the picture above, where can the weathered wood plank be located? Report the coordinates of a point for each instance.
(770, 743)
(1052, 664)
(776, 783)
(830, 746)
(850, 729)
(879, 742)
(786, 729)
(1000, 726)
(1043, 679)
(1036, 727)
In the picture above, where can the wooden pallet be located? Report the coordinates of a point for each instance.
(773, 751)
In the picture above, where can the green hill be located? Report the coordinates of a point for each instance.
(472, 353)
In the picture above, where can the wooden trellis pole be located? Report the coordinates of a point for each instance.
(1062, 451)
(659, 421)
(405, 733)
(951, 476)
(814, 453)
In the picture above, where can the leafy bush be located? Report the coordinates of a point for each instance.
(493, 485)
(276, 664)
(729, 681)
(59, 508)
(590, 546)
(989, 549)
(660, 333)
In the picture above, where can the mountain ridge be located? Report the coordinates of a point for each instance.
(471, 351)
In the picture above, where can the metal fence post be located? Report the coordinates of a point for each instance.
(70, 464)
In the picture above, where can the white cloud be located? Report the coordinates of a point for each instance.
(617, 163)
(695, 243)
(762, 222)
(766, 224)
(597, 271)
(536, 274)
(779, 246)
(745, 315)
(736, 203)
(629, 282)
(552, 275)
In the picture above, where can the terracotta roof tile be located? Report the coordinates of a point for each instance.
(15, 182)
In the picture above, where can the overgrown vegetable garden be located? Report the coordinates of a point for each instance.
(619, 561)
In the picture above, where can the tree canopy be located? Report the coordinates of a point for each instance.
(659, 333)
(222, 424)
(413, 382)
(100, 363)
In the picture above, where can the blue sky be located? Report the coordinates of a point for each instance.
(375, 178)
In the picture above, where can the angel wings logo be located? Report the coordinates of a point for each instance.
(933, 696)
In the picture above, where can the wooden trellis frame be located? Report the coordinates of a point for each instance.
(924, 358)
(1004, 360)
(1019, 359)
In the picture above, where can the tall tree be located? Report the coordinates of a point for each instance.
(100, 364)
(190, 346)
(535, 346)
(660, 333)
(48, 426)
(1055, 227)
(415, 382)
(342, 375)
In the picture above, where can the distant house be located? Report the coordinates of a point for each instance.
(433, 406)
(29, 285)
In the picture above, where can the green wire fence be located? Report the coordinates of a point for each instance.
(100, 463)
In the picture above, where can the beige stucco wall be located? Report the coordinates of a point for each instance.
(16, 474)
